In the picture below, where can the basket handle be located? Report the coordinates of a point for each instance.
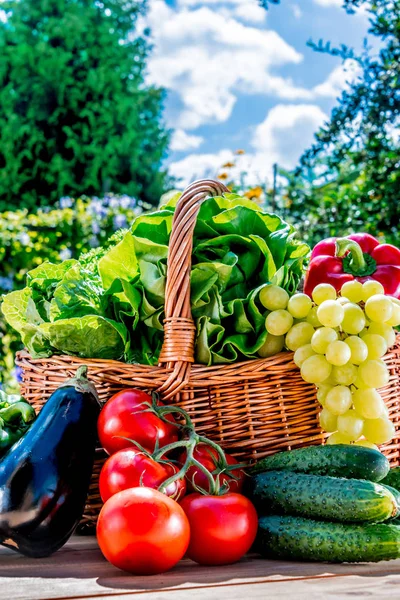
(179, 329)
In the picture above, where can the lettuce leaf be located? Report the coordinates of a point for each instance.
(110, 303)
(88, 336)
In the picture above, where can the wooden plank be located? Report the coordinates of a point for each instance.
(79, 571)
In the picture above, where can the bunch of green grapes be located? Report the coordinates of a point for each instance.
(338, 344)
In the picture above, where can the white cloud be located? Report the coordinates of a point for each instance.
(338, 79)
(251, 12)
(297, 12)
(183, 141)
(197, 3)
(338, 3)
(197, 166)
(208, 57)
(285, 133)
(247, 10)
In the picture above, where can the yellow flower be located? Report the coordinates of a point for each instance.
(240, 152)
(255, 192)
(223, 176)
(228, 165)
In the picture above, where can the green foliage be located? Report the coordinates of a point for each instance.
(27, 240)
(75, 114)
(336, 205)
(350, 178)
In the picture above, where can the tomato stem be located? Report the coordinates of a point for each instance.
(189, 444)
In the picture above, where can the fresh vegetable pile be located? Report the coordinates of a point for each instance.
(109, 304)
(338, 343)
(323, 503)
(155, 462)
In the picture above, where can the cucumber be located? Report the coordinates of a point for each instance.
(396, 494)
(320, 497)
(296, 538)
(393, 478)
(344, 460)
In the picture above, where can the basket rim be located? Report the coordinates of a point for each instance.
(249, 368)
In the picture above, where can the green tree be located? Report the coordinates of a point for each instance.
(75, 114)
(350, 177)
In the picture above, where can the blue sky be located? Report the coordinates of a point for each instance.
(238, 76)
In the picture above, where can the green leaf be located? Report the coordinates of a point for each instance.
(154, 226)
(77, 295)
(20, 312)
(19, 309)
(88, 336)
(45, 277)
(119, 262)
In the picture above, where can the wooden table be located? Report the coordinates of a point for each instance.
(79, 571)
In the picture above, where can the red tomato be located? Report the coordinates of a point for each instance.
(129, 468)
(142, 531)
(208, 457)
(222, 528)
(126, 415)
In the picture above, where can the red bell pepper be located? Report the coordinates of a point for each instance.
(359, 256)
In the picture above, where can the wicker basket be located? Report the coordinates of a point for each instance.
(252, 408)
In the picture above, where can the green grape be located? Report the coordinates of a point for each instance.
(344, 301)
(352, 290)
(299, 335)
(353, 319)
(322, 391)
(337, 438)
(338, 400)
(302, 354)
(338, 353)
(385, 412)
(272, 345)
(312, 317)
(370, 288)
(327, 420)
(368, 403)
(366, 444)
(379, 308)
(322, 338)
(379, 431)
(394, 320)
(274, 297)
(374, 373)
(385, 331)
(376, 344)
(299, 306)
(322, 292)
(350, 424)
(345, 375)
(330, 313)
(278, 322)
(363, 332)
(315, 369)
(360, 384)
(358, 349)
(330, 380)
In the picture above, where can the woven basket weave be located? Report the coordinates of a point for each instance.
(252, 408)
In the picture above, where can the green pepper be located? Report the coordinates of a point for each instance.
(16, 416)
